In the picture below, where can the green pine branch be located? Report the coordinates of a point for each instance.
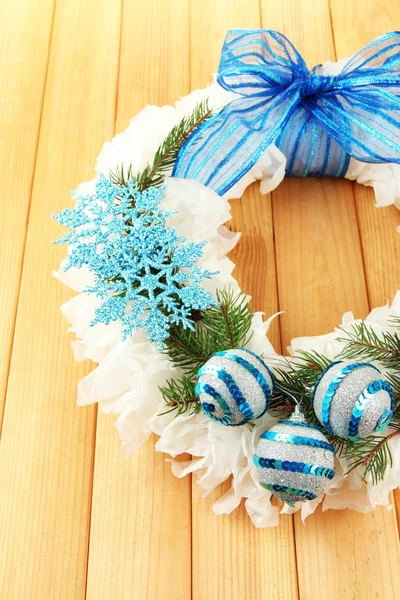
(218, 328)
(294, 384)
(179, 396)
(373, 454)
(121, 176)
(153, 174)
(228, 326)
(362, 342)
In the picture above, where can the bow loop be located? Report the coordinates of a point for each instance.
(318, 120)
(382, 53)
(255, 63)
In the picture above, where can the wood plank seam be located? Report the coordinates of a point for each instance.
(353, 183)
(364, 258)
(282, 350)
(119, 65)
(91, 494)
(96, 412)
(144, 493)
(190, 475)
(54, 452)
(14, 315)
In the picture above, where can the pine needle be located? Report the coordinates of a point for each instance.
(179, 396)
(153, 174)
(295, 383)
(219, 328)
(362, 342)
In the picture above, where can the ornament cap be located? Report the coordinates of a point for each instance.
(297, 415)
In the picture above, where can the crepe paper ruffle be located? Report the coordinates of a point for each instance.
(126, 380)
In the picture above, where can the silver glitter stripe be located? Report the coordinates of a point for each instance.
(362, 402)
(250, 368)
(266, 367)
(298, 424)
(332, 388)
(232, 387)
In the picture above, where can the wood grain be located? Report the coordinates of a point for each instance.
(380, 239)
(77, 521)
(320, 274)
(25, 30)
(141, 527)
(232, 559)
(47, 443)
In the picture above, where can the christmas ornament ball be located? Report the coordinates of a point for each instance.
(352, 400)
(294, 460)
(234, 386)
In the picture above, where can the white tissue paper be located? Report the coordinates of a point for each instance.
(129, 372)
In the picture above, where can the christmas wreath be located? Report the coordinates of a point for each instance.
(180, 352)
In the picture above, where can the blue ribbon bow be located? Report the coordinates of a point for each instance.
(317, 121)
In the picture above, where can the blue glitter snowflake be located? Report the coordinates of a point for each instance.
(145, 275)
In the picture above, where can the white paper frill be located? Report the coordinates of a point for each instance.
(128, 374)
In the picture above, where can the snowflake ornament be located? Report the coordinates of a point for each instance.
(145, 274)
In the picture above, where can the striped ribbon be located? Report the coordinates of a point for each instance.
(317, 121)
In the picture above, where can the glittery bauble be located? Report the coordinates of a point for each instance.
(294, 460)
(234, 386)
(353, 400)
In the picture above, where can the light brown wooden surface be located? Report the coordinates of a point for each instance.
(141, 514)
(25, 32)
(75, 520)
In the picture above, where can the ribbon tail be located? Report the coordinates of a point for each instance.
(370, 132)
(222, 150)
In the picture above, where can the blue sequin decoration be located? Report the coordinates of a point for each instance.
(259, 377)
(297, 440)
(284, 489)
(233, 388)
(210, 408)
(333, 386)
(263, 364)
(361, 404)
(295, 467)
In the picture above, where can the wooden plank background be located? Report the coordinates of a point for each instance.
(75, 520)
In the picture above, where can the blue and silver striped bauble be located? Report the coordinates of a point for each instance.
(234, 386)
(294, 460)
(352, 400)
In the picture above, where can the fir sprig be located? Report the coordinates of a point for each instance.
(372, 454)
(121, 176)
(362, 342)
(217, 328)
(294, 383)
(153, 174)
(179, 396)
(220, 327)
(229, 326)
